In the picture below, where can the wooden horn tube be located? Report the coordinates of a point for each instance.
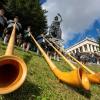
(67, 61)
(12, 73)
(92, 76)
(13, 70)
(76, 78)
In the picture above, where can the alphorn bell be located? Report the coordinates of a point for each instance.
(92, 76)
(13, 70)
(76, 78)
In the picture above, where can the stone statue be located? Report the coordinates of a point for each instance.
(55, 30)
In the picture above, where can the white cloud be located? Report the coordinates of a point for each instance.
(77, 14)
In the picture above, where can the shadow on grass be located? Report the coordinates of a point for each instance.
(27, 58)
(4, 48)
(28, 91)
(18, 48)
(86, 94)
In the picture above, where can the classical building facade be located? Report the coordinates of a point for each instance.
(88, 45)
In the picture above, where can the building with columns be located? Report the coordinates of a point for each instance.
(88, 45)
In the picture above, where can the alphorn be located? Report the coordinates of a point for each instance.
(13, 70)
(75, 78)
(93, 77)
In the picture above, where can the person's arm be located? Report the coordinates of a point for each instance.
(19, 27)
(60, 17)
(10, 21)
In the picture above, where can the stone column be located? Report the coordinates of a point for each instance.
(95, 48)
(72, 52)
(79, 49)
(83, 49)
(91, 48)
(98, 61)
(88, 48)
(75, 50)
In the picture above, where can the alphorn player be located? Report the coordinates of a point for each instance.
(10, 27)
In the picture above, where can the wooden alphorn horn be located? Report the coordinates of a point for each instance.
(13, 70)
(92, 76)
(76, 78)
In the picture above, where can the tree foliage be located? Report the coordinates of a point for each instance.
(29, 12)
(2, 3)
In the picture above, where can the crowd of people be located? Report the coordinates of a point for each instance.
(85, 58)
(22, 38)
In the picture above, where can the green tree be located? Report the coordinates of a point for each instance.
(30, 13)
(2, 3)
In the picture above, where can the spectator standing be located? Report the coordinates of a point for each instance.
(10, 27)
(41, 41)
(27, 39)
(3, 21)
(19, 39)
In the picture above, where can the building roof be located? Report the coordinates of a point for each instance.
(86, 39)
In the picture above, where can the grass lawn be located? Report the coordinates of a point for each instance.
(41, 84)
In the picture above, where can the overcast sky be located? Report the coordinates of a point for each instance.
(78, 15)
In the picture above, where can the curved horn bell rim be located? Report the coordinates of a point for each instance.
(94, 78)
(75, 78)
(13, 71)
